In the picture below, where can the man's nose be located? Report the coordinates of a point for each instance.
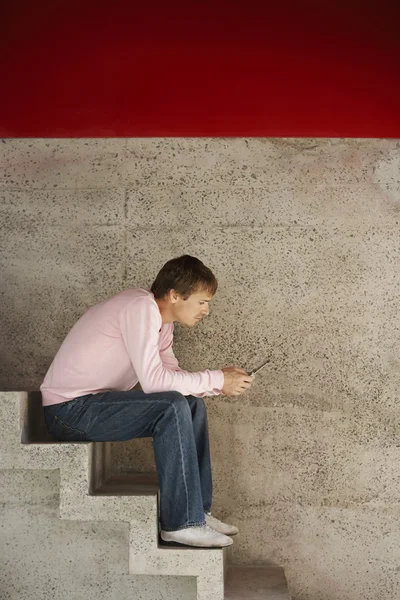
(206, 310)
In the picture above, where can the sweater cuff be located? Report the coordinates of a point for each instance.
(217, 381)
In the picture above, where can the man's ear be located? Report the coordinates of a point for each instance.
(173, 296)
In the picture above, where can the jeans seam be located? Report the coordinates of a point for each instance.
(182, 462)
(68, 426)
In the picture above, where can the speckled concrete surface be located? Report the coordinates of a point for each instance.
(328, 553)
(138, 513)
(303, 236)
(44, 557)
(255, 583)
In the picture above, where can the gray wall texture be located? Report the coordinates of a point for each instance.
(303, 236)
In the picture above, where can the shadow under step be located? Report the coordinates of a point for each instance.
(128, 484)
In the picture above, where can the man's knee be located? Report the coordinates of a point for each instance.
(197, 406)
(176, 399)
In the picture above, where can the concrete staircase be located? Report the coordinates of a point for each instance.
(89, 492)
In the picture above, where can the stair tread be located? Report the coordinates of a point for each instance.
(255, 583)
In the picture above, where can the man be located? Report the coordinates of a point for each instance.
(87, 392)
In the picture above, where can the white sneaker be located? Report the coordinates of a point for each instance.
(201, 535)
(220, 526)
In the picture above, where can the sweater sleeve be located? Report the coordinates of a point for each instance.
(140, 322)
(167, 355)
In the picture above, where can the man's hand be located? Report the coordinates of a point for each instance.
(236, 381)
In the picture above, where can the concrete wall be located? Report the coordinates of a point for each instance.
(303, 236)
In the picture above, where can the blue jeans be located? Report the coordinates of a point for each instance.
(179, 428)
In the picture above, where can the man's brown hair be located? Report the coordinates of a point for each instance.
(186, 275)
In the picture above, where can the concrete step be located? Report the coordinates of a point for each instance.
(24, 445)
(255, 583)
(89, 493)
(266, 582)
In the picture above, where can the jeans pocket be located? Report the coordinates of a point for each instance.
(63, 432)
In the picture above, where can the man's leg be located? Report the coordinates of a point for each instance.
(165, 416)
(200, 430)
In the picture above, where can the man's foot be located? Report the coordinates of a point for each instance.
(201, 535)
(220, 526)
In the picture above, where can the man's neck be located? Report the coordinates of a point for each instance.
(165, 311)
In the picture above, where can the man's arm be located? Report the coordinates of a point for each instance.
(169, 359)
(140, 322)
(167, 355)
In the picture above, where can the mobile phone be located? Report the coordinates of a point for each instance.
(254, 371)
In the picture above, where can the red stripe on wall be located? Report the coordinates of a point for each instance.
(294, 68)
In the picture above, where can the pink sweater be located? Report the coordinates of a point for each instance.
(117, 344)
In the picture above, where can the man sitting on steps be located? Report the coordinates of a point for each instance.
(87, 392)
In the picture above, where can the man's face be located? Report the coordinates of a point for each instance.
(190, 312)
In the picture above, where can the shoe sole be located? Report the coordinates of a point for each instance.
(179, 544)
